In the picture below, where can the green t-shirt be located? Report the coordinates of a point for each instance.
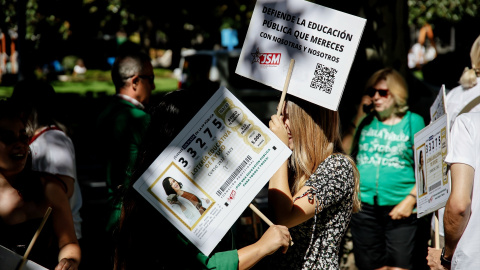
(385, 160)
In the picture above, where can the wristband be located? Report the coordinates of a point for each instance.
(444, 261)
(410, 194)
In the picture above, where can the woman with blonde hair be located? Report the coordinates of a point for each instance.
(316, 191)
(384, 231)
(465, 97)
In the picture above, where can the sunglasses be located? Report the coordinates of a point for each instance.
(382, 92)
(8, 137)
(150, 78)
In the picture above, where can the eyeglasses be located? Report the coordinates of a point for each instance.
(382, 92)
(150, 78)
(8, 137)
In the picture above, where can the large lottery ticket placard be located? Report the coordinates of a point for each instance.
(431, 145)
(10, 260)
(219, 162)
(322, 41)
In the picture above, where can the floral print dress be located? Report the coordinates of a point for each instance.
(317, 241)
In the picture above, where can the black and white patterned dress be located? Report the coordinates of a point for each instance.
(317, 241)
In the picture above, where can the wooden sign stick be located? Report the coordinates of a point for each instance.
(285, 87)
(37, 233)
(437, 233)
(260, 214)
(264, 218)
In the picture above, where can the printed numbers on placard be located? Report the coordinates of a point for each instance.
(256, 138)
(199, 141)
(192, 152)
(183, 161)
(433, 144)
(217, 123)
(207, 130)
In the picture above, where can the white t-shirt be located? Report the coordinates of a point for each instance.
(456, 100)
(53, 152)
(465, 149)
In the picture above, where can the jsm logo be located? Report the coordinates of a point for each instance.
(266, 58)
(270, 59)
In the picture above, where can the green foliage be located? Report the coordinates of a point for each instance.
(421, 12)
(99, 82)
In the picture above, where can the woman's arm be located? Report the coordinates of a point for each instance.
(286, 211)
(274, 238)
(69, 255)
(405, 207)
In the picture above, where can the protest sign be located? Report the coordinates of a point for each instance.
(438, 108)
(10, 260)
(223, 157)
(322, 41)
(431, 146)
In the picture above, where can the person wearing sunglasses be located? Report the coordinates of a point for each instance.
(384, 232)
(121, 126)
(25, 196)
(52, 149)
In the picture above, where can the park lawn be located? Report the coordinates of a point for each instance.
(95, 84)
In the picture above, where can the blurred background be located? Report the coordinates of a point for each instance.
(72, 44)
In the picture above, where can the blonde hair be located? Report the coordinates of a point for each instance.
(469, 76)
(396, 86)
(314, 131)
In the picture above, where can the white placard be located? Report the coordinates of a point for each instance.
(432, 178)
(223, 157)
(323, 42)
(438, 108)
(10, 260)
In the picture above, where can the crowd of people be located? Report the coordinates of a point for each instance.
(363, 181)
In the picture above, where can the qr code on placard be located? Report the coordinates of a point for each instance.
(324, 78)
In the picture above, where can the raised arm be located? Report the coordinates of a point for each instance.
(287, 212)
(69, 255)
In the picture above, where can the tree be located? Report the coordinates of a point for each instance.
(421, 12)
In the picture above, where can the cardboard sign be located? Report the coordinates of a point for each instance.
(431, 146)
(322, 41)
(438, 108)
(209, 174)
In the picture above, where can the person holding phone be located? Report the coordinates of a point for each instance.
(384, 232)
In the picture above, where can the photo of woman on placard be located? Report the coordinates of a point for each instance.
(183, 201)
(422, 186)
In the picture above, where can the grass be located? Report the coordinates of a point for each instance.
(97, 82)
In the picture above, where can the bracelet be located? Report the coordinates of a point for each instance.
(414, 196)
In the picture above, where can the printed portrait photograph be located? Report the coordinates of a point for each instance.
(181, 196)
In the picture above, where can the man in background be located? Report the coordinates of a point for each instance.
(122, 124)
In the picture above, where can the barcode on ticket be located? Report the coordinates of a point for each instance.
(434, 186)
(324, 78)
(234, 175)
